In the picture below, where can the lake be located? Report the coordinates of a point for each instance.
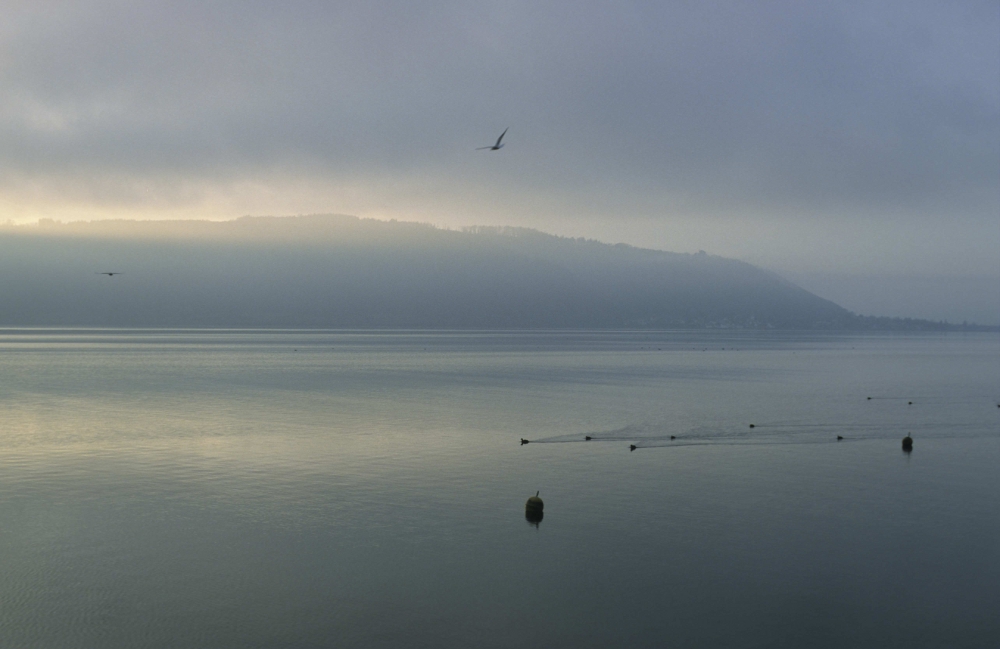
(209, 488)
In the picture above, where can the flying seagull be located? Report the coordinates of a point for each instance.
(110, 274)
(497, 146)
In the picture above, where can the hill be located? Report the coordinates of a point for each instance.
(344, 272)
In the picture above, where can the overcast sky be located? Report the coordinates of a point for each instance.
(823, 140)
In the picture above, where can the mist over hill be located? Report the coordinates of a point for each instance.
(345, 272)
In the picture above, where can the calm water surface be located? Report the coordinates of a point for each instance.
(314, 489)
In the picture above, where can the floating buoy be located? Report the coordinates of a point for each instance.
(909, 403)
(840, 437)
(869, 398)
(631, 447)
(752, 426)
(533, 510)
(587, 438)
(673, 437)
(907, 443)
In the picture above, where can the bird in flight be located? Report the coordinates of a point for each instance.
(497, 146)
(110, 274)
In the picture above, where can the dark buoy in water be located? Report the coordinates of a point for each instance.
(907, 443)
(909, 403)
(533, 510)
(587, 438)
(840, 437)
(631, 448)
(523, 441)
(673, 437)
(869, 398)
(752, 426)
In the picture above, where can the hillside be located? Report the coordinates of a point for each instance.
(345, 272)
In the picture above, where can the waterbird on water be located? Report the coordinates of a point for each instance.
(497, 146)
(524, 441)
(110, 273)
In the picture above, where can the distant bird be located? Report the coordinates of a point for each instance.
(840, 437)
(587, 438)
(631, 447)
(110, 274)
(497, 146)
(524, 441)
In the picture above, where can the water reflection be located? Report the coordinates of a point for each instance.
(251, 496)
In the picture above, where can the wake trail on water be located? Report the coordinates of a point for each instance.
(769, 433)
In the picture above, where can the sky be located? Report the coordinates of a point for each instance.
(853, 147)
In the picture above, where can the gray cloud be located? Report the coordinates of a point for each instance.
(768, 112)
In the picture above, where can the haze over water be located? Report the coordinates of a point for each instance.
(300, 488)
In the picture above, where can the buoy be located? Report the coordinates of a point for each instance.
(909, 403)
(751, 426)
(523, 441)
(869, 398)
(907, 443)
(673, 437)
(533, 510)
(840, 437)
(587, 438)
(631, 447)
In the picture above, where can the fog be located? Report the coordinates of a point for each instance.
(851, 146)
(956, 299)
(344, 272)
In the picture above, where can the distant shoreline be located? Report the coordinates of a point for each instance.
(342, 272)
(55, 329)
